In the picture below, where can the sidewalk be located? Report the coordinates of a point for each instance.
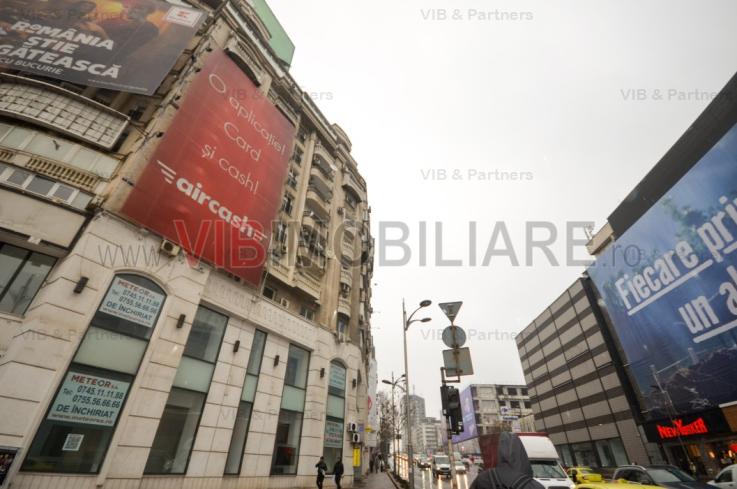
(379, 480)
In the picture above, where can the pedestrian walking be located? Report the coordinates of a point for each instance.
(321, 469)
(513, 469)
(338, 473)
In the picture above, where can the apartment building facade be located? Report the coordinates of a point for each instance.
(157, 327)
(577, 390)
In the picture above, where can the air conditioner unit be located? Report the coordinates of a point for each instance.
(352, 427)
(169, 248)
(341, 211)
(284, 302)
(356, 438)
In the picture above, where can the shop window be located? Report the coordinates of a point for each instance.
(584, 454)
(21, 274)
(289, 426)
(178, 426)
(611, 452)
(565, 455)
(243, 416)
(75, 434)
(334, 421)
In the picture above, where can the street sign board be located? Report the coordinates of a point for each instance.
(457, 362)
(450, 309)
(454, 337)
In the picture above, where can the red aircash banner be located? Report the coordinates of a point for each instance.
(214, 183)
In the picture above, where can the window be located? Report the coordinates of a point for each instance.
(342, 325)
(289, 425)
(287, 204)
(503, 403)
(242, 418)
(512, 391)
(528, 405)
(524, 392)
(611, 452)
(21, 274)
(297, 155)
(307, 313)
(292, 179)
(334, 421)
(43, 186)
(565, 455)
(57, 149)
(178, 426)
(269, 293)
(500, 391)
(74, 438)
(514, 404)
(725, 476)
(584, 454)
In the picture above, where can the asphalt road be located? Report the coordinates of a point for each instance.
(425, 480)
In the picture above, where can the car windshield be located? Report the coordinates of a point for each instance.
(442, 460)
(669, 474)
(547, 468)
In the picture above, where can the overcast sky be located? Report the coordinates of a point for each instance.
(584, 97)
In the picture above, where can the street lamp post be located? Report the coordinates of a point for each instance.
(406, 322)
(394, 383)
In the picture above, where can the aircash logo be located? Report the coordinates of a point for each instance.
(197, 193)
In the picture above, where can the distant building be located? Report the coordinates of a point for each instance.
(427, 436)
(490, 408)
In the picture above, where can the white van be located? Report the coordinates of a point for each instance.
(543, 456)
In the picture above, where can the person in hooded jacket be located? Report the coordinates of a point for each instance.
(513, 469)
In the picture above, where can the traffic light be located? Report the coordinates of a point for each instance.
(451, 401)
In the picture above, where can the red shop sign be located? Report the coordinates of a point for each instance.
(214, 183)
(697, 427)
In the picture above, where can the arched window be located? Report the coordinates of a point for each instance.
(335, 416)
(75, 434)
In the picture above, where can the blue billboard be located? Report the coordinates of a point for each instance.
(469, 417)
(669, 285)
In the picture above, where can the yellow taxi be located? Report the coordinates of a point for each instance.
(579, 475)
(614, 485)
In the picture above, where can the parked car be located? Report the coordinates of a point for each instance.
(579, 475)
(440, 466)
(658, 475)
(726, 478)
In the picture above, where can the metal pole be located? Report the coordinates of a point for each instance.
(410, 455)
(451, 458)
(394, 429)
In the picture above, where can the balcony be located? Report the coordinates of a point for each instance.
(308, 284)
(310, 259)
(344, 306)
(346, 277)
(323, 168)
(312, 223)
(347, 250)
